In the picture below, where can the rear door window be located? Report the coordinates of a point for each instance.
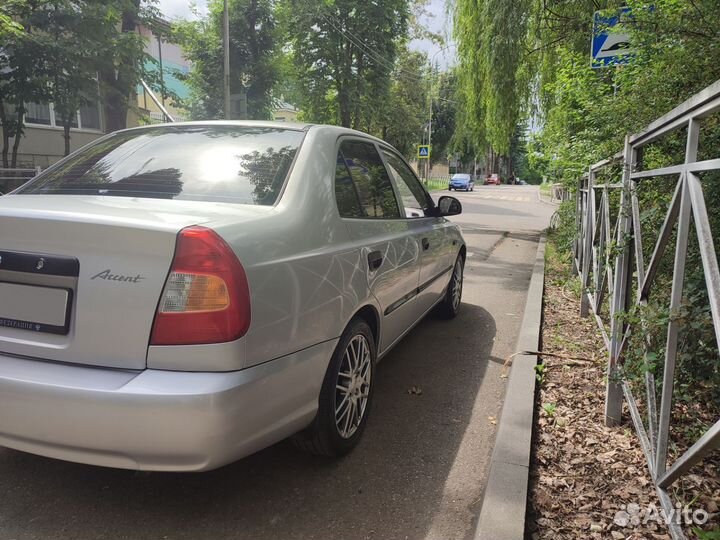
(239, 164)
(346, 193)
(370, 179)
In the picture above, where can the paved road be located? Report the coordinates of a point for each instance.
(418, 472)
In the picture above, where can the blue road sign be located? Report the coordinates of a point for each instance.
(423, 151)
(609, 47)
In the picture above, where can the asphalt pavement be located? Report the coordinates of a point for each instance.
(418, 473)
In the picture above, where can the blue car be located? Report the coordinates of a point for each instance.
(461, 181)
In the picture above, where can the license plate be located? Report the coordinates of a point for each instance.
(33, 308)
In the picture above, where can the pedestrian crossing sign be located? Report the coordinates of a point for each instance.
(423, 151)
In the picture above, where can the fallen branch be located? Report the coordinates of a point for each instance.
(574, 360)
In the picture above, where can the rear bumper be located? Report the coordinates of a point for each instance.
(157, 420)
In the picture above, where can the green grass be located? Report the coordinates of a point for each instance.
(545, 189)
(436, 184)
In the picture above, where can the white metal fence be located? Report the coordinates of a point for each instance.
(14, 178)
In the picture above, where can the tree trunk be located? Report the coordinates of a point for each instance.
(66, 134)
(5, 135)
(344, 103)
(18, 135)
(345, 83)
(491, 167)
(121, 80)
(252, 12)
(356, 96)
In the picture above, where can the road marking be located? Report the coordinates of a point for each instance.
(505, 198)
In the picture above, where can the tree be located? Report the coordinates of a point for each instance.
(22, 74)
(56, 51)
(401, 117)
(254, 64)
(491, 37)
(8, 27)
(75, 37)
(444, 115)
(582, 114)
(345, 53)
(124, 59)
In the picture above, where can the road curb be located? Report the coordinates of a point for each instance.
(551, 202)
(502, 516)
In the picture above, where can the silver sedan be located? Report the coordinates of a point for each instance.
(176, 297)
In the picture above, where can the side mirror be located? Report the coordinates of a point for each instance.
(449, 206)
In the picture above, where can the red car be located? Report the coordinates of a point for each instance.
(492, 180)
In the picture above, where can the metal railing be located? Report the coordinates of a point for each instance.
(11, 179)
(153, 97)
(558, 192)
(608, 257)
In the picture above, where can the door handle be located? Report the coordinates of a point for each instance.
(425, 243)
(375, 259)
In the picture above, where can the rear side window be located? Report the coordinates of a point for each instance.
(346, 194)
(370, 180)
(239, 164)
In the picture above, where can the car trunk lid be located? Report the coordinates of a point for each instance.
(80, 276)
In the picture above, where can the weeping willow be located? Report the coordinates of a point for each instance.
(492, 37)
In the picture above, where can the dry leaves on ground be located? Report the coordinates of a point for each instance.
(583, 473)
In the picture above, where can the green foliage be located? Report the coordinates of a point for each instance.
(345, 53)
(437, 184)
(73, 37)
(124, 57)
(491, 36)
(399, 119)
(549, 409)
(697, 369)
(706, 535)
(583, 115)
(8, 27)
(54, 51)
(521, 164)
(564, 234)
(445, 106)
(255, 62)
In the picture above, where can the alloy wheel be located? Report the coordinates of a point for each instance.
(352, 388)
(457, 285)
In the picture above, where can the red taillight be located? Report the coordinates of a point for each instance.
(206, 298)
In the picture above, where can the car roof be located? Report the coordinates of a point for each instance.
(296, 126)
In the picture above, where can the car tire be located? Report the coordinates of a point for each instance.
(334, 432)
(449, 306)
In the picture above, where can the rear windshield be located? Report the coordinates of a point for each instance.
(238, 164)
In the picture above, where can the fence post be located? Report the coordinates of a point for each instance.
(619, 301)
(587, 243)
(578, 227)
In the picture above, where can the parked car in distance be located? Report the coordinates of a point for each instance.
(175, 297)
(493, 180)
(461, 181)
